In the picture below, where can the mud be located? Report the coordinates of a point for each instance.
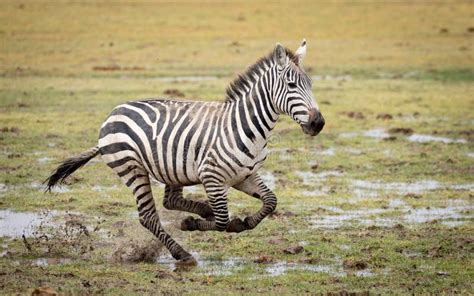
(135, 252)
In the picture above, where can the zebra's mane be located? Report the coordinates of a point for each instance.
(241, 83)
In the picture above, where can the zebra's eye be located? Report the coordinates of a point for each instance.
(291, 85)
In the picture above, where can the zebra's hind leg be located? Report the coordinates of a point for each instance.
(139, 182)
(174, 200)
(255, 187)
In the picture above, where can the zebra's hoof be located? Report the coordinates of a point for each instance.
(236, 225)
(209, 216)
(186, 262)
(188, 224)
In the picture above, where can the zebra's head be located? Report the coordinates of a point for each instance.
(292, 93)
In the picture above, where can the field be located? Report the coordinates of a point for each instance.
(382, 201)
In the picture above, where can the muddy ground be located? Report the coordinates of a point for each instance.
(381, 202)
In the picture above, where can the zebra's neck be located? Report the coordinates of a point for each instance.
(251, 108)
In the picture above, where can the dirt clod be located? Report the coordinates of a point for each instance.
(355, 264)
(443, 31)
(354, 114)
(413, 195)
(175, 93)
(133, 252)
(384, 116)
(401, 130)
(296, 249)
(44, 291)
(263, 259)
(161, 274)
(12, 129)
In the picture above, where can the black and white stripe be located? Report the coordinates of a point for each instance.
(217, 144)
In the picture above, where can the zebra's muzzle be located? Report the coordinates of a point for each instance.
(315, 124)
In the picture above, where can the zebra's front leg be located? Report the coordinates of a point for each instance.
(255, 187)
(174, 200)
(217, 194)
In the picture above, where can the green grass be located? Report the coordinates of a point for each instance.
(55, 102)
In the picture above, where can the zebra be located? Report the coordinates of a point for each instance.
(217, 144)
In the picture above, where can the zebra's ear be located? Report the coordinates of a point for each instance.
(301, 52)
(280, 56)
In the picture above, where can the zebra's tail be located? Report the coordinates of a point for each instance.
(69, 166)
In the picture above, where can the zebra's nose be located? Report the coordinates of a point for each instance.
(313, 113)
(316, 120)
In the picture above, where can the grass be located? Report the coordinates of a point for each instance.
(412, 61)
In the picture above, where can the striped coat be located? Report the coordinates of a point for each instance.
(217, 144)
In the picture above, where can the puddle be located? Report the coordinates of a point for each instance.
(231, 266)
(458, 212)
(328, 152)
(423, 215)
(364, 188)
(3, 187)
(470, 154)
(360, 217)
(55, 189)
(309, 178)
(396, 203)
(428, 138)
(44, 159)
(98, 188)
(415, 187)
(378, 133)
(281, 268)
(364, 273)
(51, 261)
(349, 135)
(269, 179)
(16, 224)
(184, 78)
(354, 151)
(323, 191)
